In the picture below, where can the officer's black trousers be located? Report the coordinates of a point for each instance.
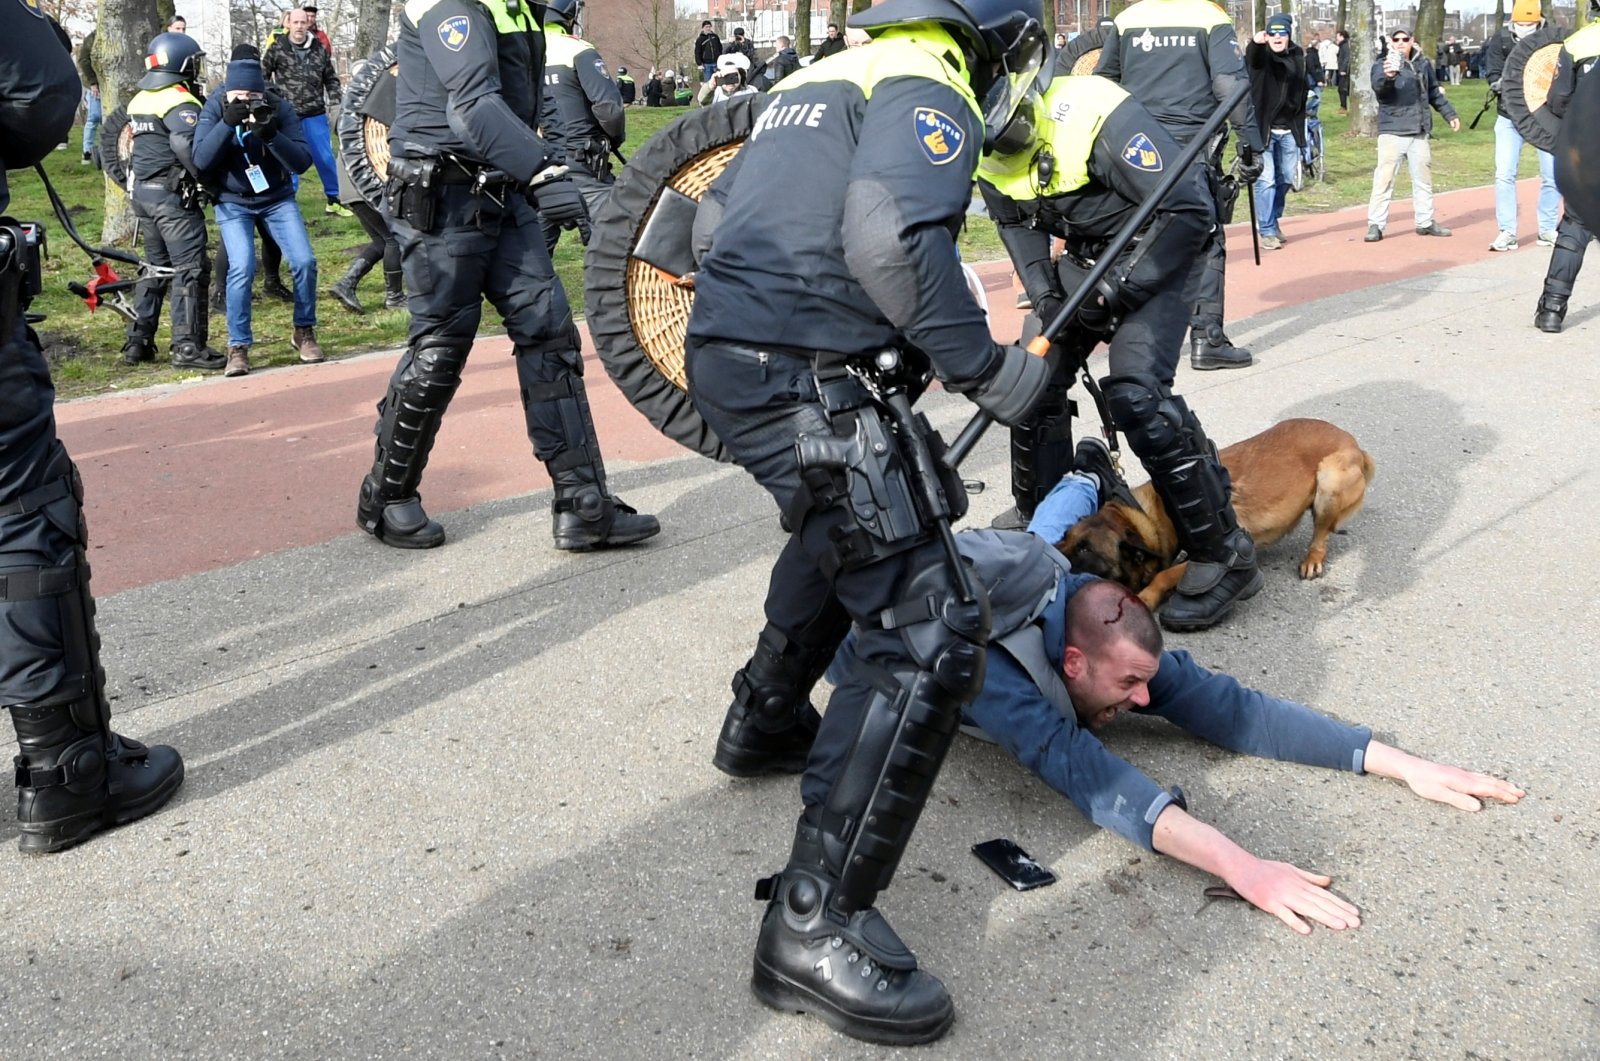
(174, 235)
(33, 650)
(1572, 241)
(1149, 340)
(758, 410)
(479, 248)
(1204, 291)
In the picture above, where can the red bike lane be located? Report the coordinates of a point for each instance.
(196, 476)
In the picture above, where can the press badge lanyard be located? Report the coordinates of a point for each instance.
(252, 171)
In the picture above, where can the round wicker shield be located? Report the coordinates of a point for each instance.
(636, 288)
(1525, 86)
(364, 120)
(116, 147)
(1082, 53)
(1577, 152)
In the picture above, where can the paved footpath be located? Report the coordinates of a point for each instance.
(459, 803)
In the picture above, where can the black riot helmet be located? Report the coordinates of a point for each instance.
(564, 12)
(1005, 42)
(171, 59)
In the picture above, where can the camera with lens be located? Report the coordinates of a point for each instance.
(261, 109)
(21, 247)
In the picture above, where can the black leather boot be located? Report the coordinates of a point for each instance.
(1212, 585)
(74, 781)
(850, 969)
(1210, 348)
(345, 289)
(136, 350)
(1551, 312)
(770, 725)
(585, 517)
(394, 290)
(402, 524)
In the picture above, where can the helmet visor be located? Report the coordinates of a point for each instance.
(1022, 66)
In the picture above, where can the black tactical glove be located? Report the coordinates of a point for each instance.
(1014, 386)
(1250, 164)
(266, 129)
(235, 111)
(558, 200)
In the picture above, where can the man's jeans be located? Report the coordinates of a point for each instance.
(237, 224)
(91, 121)
(1272, 187)
(315, 128)
(1507, 153)
(1419, 155)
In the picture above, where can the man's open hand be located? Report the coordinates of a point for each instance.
(1290, 894)
(1457, 787)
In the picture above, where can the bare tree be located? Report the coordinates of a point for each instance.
(1499, 15)
(123, 31)
(802, 27)
(1429, 27)
(662, 30)
(372, 26)
(838, 12)
(1343, 15)
(1363, 101)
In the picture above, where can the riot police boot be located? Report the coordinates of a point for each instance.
(1213, 584)
(344, 290)
(194, 356)
(136, 350)
(1210, 348)
(402, 524)
(74, 780)
(1551, 312)
(770, 725)
(585, 517)
(848, 968)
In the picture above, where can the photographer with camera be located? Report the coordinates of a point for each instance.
(74, 775)
(164, 184)
(250, 146)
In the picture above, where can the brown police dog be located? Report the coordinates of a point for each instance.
(1277, 475)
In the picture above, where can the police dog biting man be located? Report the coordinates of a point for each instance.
(467, 169)
(788, 326)
(1076, 162)
(75, 776)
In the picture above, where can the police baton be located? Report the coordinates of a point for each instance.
(1040, 346)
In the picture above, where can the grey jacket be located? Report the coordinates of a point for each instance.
(1403, 100)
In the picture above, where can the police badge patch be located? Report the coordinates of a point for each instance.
(188, 117)
(1141, 153)
(33, 8)
(938, 135)
(454, 31)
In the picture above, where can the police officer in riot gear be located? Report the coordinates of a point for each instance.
(466, 171)
(584, 116)
(164, 186)
(74, 775)
(1180, 59)
(786, 323)
(1579, 55)
(1075, 163)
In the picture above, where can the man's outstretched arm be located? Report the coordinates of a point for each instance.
(1284, 891)
(1439, 782)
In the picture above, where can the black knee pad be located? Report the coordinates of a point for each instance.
(944, 634)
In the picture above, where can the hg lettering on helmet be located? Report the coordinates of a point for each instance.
(941, 138)
(454, 31)
(776, 115)
(1140, 153)
(1148, 41)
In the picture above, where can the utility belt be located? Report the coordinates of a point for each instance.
(595, 155)
(414, 185)
(179, 183)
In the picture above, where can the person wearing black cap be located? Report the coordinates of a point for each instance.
(1277, 68)
(249, 145)
(164, 183)
(74, 774)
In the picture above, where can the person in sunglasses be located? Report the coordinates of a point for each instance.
(1277, 68)
(1406, 87)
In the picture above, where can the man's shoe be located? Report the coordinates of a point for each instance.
(1093, 457)
(1374, 234)
(856, 975)
(1505, 241)
(273, 287)
(338, 210)
(1210, 588)
(1551, 312)
(1270, 242)
(583, 517)
(1023, 301)
(137, 350)
(238, 361)
(402, 524)
(1547, 238)
(770, 725)
(1206, 355)
(188, 355)
(305, 342)
(1011, 519)
(88, 159)
(1433, 228)
(344, 292)
(71, 784)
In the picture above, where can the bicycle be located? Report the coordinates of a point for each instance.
(1312, 158)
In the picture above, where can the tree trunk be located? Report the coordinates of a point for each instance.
(802, 27)
(123, 32)
(1363, 53)
(1343, 14)
(857, 5)
(1499, 15)
(372, 26)
(1430, 28)
(838, 12)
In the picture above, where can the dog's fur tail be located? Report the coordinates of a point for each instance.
(1369, 467)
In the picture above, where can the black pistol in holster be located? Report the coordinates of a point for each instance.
(21, 271)
(413, 191)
